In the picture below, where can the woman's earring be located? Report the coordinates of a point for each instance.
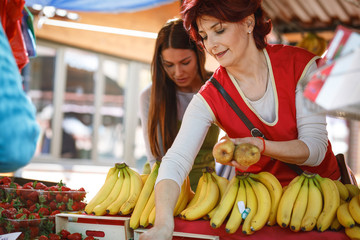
(249, 31)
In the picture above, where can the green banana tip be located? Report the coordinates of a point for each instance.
(120, 165)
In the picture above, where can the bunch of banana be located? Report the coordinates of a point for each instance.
(146, 200)
(348, 213)
(119, 193)
(258, 193)
(205, 199)
(309, 201)
(313, 43)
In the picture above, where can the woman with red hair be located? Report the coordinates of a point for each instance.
(262, 79)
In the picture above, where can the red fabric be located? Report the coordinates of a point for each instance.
(287, 66)
(11, 15)
(266, 233)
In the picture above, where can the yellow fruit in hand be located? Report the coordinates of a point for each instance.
(246, 154)
(223, 150)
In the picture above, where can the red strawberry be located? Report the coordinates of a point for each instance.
(7, 213)
(53, 213)
(44, 211)
(89, 238)
(43, 237)
(40, 185)
(28, 184)
(53, 236)
(35, 219)
(5, 180)
(65, 198)
(65, 189)
(61, 206)
(75, 236)
(59, 197)
(64, 233)
(33, 196)
(52, 205)
(34, 232)
(5, 205)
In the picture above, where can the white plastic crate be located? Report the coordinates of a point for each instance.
(179, 235)
(101, 227)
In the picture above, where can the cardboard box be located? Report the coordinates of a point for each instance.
(335, 86)
(100, 227)
(179, 235)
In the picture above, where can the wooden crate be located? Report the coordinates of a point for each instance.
(100, 227)
(179, 235)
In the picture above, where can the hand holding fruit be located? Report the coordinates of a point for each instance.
(241, 154)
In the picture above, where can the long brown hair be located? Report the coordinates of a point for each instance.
(227, 11)
(163, 105)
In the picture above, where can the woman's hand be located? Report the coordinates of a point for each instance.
(157, 233)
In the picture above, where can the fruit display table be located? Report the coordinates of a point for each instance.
(266, 233)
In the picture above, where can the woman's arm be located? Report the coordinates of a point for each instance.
(176, 165)
(311, 145)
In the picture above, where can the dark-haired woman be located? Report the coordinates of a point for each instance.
(263, 81)
(178, 72)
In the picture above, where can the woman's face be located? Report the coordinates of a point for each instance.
(181, 67)
(227, 42)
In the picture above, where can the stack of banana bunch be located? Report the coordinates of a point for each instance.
(308, 202)
(313, 43)
(251, 199)
(210, 188)
(348, 213)
(119, 193)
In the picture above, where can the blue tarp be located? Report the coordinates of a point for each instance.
(101, 5)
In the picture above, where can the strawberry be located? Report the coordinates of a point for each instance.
(75, 236)
(5, 205)
(36, 219)
(53, 213)
(44, 211)
(65, 198)
(5, 180)
(33, 196)
(61, 206)
(65, 188)
(53, 236)
(89, 238)
(52, 205)
(40, 185)
(64, 233)
(43, 237)
(7, 213)
(34, 232)
(59, 197)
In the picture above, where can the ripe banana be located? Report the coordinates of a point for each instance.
(144, 217)
(300, 206)
(313, 209)
(353, 190)
(226, 203)
(354, 208)
(144, 177)
(221, 182)
(207, 204)
(264, 205)
(344, 216)
(252, 204)
(183, 197)
(144, 196)
(198, 191)
(287, 201)
(104, 191)
(343, 191)
(353, 233)
(235, 218)
(113, 208)
(152, 217)
(136, 185)
(100, 209)
(335, 225)
(331, 198)
(275, 189)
